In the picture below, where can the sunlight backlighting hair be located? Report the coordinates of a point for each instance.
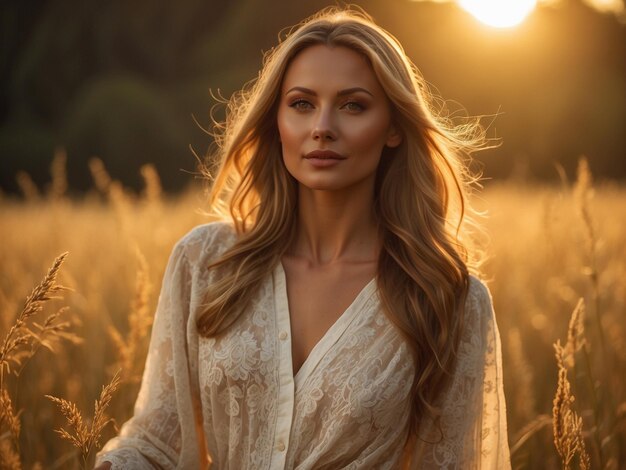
(420, 200)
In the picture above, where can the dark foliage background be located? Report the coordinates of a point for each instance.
(125, 81)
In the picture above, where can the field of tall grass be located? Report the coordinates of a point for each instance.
(79, 281)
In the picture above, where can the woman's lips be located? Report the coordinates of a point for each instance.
(323, 158)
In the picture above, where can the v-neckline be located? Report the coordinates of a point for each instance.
(330, 337)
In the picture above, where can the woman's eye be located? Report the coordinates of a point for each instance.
(300, 105)
(353, 106)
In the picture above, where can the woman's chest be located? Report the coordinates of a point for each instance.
(359, 360)
(317, 298)
(355, 382)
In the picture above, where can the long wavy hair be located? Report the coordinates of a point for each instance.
(420, 200)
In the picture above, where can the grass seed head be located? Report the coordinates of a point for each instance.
(9, 459)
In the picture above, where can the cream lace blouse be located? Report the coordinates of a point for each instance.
(235, 402)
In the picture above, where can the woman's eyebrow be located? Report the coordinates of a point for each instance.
(347, 91)
(301, 89)
(350, 91)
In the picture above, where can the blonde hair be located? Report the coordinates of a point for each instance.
(420, 200)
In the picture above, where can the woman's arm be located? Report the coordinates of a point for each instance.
(162, 432)
(472, 432)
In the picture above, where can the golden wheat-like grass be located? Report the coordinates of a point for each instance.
(19, 336)
(100, 175)
(82, 435)
(131, 348)
(152, 190)
(58, 171)
(8, 417)
(27, 186)
(9, 459)
(567, 424)
(550, 246)
(575, 335)
(21, 342)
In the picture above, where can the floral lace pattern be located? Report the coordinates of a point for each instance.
(233, 402)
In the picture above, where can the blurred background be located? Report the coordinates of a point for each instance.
(131, 82)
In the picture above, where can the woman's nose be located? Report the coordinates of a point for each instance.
(323, 128)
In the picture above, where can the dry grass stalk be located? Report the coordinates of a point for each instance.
(576, 343)
(8, 418)
(58, 171)
(567, 424)
(9, 459)
(584, 180)
(100, 419)
(83, 436)
(118, 197)
(52, 331)
(524, 398)
(75, 420)
(20, 338)
(100, 176)
(27, 186)
(575, 334)
(604, 404)
(583, 193)
(130, 348)
(532, 428)
(152, 191)
(112, 189)
(122, 206)
(21, 343)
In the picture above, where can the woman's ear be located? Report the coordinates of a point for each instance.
(394, 137)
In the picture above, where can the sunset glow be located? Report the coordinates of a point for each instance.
(499, 13)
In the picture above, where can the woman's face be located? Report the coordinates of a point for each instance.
(333, 119)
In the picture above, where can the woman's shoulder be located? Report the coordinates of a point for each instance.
(478, 303)
(477, 291)
(207, 240)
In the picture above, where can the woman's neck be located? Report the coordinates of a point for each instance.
(335, 226)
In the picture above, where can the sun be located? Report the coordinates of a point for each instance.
(499, 13)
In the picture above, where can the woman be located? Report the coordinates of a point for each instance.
(337, 324)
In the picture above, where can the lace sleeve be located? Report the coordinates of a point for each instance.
(162, 432)
(472, 432)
